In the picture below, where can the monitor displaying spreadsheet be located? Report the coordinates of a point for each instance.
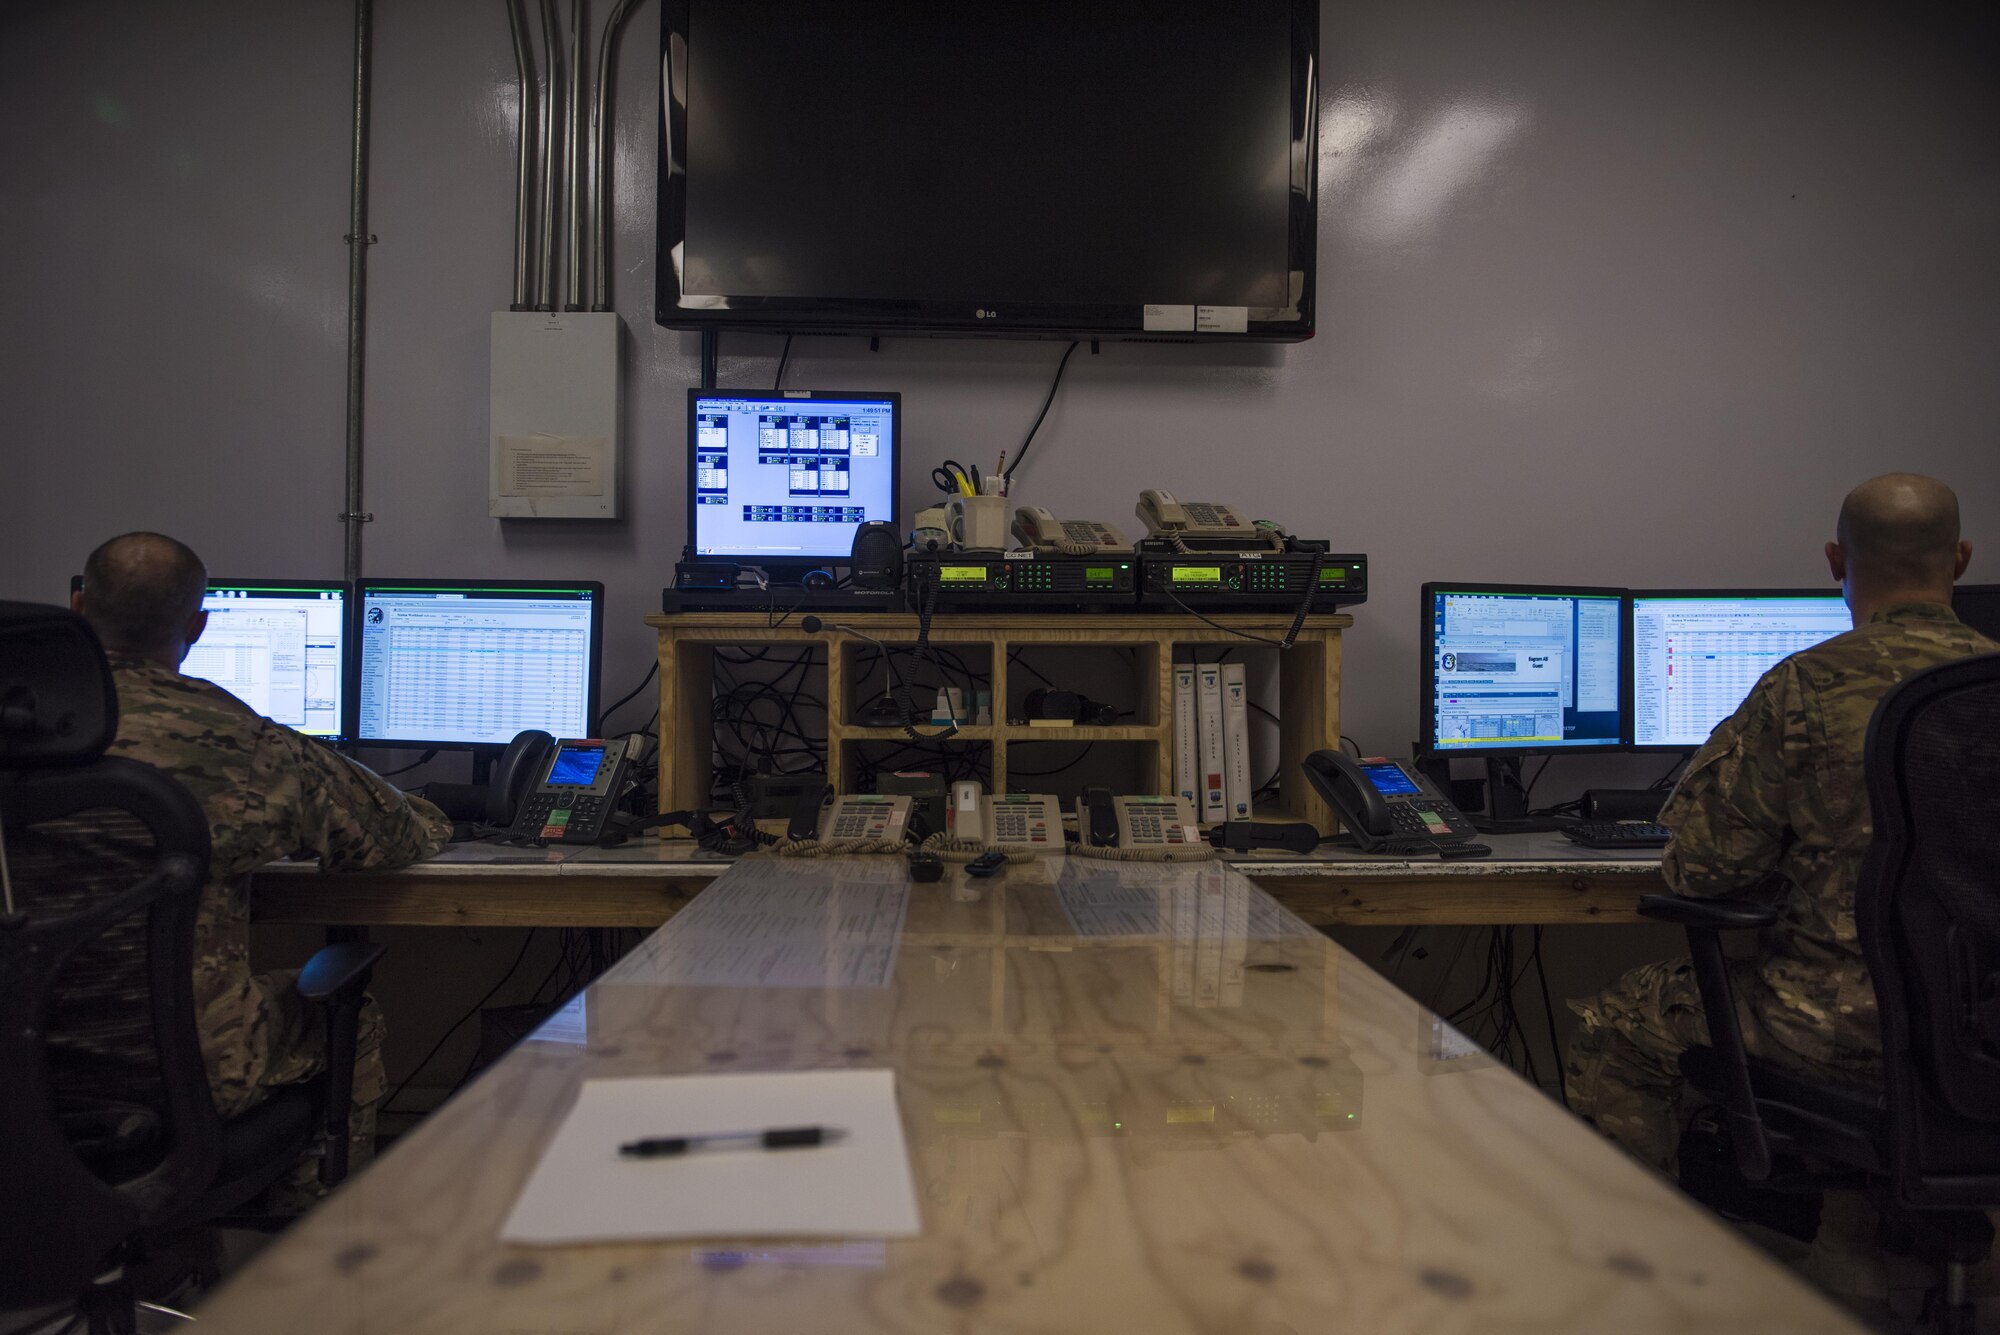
(785, 479)
(1515, 668)
(279, 646)
(473, 663)
(1697, 653)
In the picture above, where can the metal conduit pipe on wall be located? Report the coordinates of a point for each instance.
(358, 241)
(524, 170)
(600, 138)
(545, 287)
(579, 75)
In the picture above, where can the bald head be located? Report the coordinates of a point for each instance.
(1898, 542)
(142, 594)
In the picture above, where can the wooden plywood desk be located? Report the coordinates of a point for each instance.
(1530, 879)
(1136, 1099)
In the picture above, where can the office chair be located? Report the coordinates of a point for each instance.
(1926, 1146)
(108, 1134)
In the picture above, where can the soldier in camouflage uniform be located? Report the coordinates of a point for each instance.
(269, 793)
(1775, 801)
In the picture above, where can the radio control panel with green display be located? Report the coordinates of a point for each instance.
(1022, 579)
(1251, 581)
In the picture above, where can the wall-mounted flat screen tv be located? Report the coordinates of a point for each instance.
(1025, 168)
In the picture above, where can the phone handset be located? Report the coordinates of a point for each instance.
(1389, 806)
(514, 773)
(968, 812)
(1037, 528)
(1180, 522)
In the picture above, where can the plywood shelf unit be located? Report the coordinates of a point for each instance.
(1308, 704)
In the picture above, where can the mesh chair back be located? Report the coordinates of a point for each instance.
(106, 1123)
(1928, 912)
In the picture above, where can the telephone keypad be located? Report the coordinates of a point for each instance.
(1021, 824)
(862, 824)
(1423, 822)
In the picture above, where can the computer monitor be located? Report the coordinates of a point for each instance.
(1521, 669)
(1697, 652)
(279, 646)
(470, 663)
(1978, 606)
(783, 480)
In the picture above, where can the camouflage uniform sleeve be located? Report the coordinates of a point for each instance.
(1728, 815)
(345, 812)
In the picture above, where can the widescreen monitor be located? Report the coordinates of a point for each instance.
(279, 646)
(1697, 652)
(465, 663)
(1014, 167)
(1518, 669)
(783, 480)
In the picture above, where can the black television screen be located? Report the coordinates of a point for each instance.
(1010, 166)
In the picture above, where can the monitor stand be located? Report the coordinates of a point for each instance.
(1501, 793)
(1507, 801)
(1506, 797)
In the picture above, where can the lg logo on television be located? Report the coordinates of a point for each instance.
(986, 315)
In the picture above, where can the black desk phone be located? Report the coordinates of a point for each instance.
(1389, 807)
(574, 791)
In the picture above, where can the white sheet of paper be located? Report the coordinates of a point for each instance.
(584, 1191)
(550, 465)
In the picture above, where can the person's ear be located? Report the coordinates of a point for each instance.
(196, 625)
(1964, 557)
(1836, 561)
(76, 601)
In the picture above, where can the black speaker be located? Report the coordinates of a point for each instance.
(877, 559)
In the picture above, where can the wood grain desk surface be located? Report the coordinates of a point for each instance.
(1529, 879)
(1137, 1098)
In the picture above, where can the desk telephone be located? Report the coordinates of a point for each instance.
(1163, 827)
(818, 815)
(1030, 821)
(1200, 521)
(1389, 807)
(1037, 528)
(572, 786)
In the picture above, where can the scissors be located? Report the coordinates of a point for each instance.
(956, 479)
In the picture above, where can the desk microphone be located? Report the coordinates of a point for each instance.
(906, 712)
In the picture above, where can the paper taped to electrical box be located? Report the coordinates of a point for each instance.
(546, 465)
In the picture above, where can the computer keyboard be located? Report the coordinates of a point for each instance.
(1618, 833)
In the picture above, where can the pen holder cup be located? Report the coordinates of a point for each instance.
(977, 522)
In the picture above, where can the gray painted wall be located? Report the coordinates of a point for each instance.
(1622, 290)
(1626, 291)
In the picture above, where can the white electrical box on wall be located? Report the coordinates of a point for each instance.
(554, 428)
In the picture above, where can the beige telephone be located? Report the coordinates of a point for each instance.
(865, 816)
(1138, 829)
(824, 825)
(1037, 528)
(1030, 821)
(1200, 521)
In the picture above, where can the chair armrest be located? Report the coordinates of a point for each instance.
(337, 970)
(1721, 915)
